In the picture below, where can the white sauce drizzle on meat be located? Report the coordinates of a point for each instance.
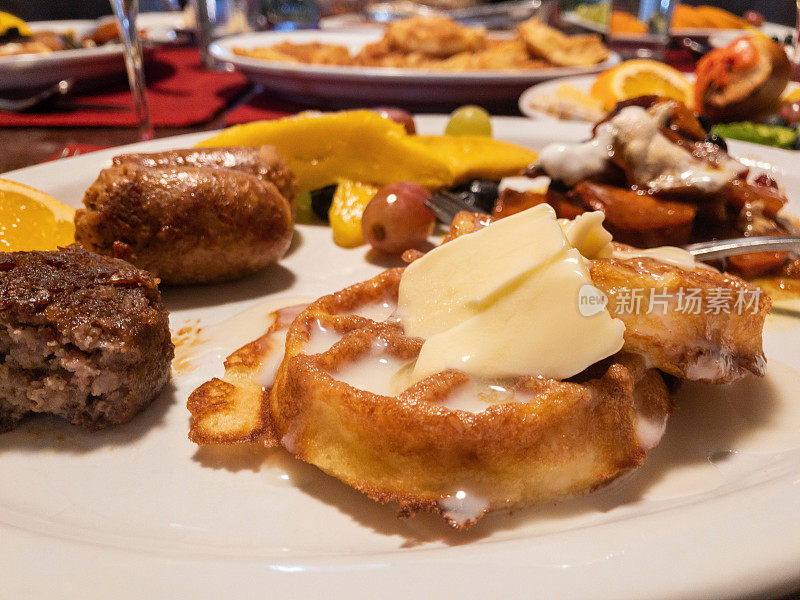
(652, 160)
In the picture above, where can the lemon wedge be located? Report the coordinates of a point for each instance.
(9, 21)
(641, 77)
(32, 220)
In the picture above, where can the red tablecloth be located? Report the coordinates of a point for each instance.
(180, 93)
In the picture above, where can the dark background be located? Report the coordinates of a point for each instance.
(777, 11)
(46, 10)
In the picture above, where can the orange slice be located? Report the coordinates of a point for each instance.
(641, 77)
(32, 220)
(623, 22)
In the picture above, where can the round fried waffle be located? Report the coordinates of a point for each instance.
(450, 443)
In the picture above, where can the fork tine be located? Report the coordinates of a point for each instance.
(723, 248)
(441, 214)
(442, 206)
(445, 205)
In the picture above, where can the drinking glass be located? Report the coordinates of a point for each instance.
(218, 18)
(125, 11)
(288, 15)
(640, 28)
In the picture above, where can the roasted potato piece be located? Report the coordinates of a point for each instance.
(637, 219)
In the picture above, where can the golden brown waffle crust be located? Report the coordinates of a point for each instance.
(717, 348)
(571, 438)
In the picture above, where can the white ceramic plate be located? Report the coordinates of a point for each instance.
(773, 30)
(546, 88)
(377, 84)
(582, 83)
(716, 37)
(30, 71)
(139, 512)
(39, 70)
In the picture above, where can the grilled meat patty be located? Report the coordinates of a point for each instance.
(82, 336)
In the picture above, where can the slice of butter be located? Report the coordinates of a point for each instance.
(451, 283)
(587, 234)
(504, 302)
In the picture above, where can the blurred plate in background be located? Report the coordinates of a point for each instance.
(329, 85)
(29, 71)
(32, 71)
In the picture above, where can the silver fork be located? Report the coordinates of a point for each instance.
(445, 205)
(744, 245)
(19, 104)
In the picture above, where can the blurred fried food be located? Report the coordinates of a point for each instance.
(438, 43)
(313, 53)
(560, 49)
(435, 37)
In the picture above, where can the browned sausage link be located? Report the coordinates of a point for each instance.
(187, 224)
(263, 161)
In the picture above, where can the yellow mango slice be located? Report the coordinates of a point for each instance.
(347, 208)
(477, 157)
(358, 145)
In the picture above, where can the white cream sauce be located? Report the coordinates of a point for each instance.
(272, 359)
(321, 338)
(670, 255)
(216, 342)
(476, 395)
(572, 163)
(709, 366)
(463, 507)
(376, 311)
(653, 161)
(376, 371)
